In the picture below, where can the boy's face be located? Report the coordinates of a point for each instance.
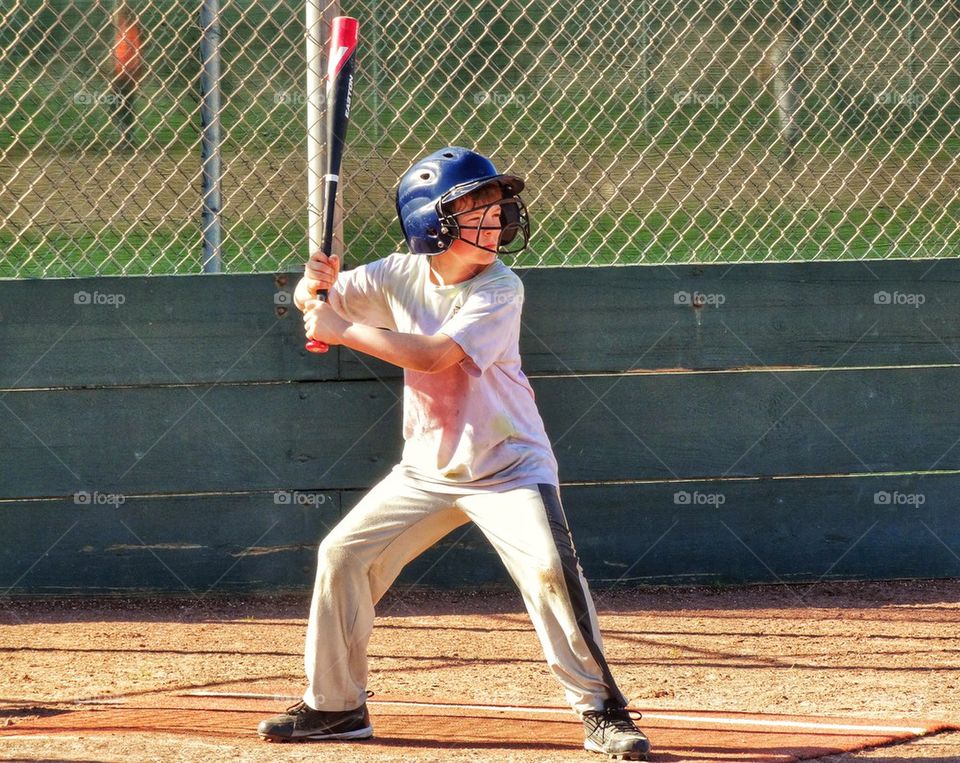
(498, 224)
(479, 234)
(480, 229)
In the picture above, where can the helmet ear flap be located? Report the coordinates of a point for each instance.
(449, 227)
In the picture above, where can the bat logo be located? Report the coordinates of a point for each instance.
(338, 59)
(346, 107)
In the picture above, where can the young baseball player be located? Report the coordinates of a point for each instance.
(475, 450)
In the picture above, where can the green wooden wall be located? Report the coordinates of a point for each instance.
(713, 424)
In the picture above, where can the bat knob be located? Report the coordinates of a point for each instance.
(318, 347)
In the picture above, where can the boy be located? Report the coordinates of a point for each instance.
(475, 449)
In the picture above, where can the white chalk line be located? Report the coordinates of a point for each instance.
(716, 720)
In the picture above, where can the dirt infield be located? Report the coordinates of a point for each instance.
(93, 190)
(747, 674)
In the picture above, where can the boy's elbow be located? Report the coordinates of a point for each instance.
(444, 354)
(434, 363)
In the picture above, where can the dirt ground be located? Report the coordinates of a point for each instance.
(882, 651)
(95, 190)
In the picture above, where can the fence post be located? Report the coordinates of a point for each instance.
(211, 139)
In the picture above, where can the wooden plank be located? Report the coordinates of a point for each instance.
(171, 329)
(331, 435)
(189, 545)
(203, 438)
(768, 531)
(808, 314)
(734, 532)
(737, 531)
(153, 330)
(751, 423)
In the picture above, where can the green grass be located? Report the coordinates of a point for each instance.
(413, 85)
(138, 251)
(51, 62)
(581, 240)
(67, 113)
(733, 237)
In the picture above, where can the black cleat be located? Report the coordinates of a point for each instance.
(301, 723)
(612, 732)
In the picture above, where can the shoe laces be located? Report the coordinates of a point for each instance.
(614, 718)
(303, 707)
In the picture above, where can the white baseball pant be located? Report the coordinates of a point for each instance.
(393, 524)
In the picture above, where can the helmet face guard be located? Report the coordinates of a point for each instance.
(513, 225)
(429, 188)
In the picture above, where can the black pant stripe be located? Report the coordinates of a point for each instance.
(571, 575)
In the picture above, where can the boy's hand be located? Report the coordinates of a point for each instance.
(320, 273)
(322, 323)
(323, 269)
(306, 290)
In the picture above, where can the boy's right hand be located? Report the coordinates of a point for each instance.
(320, 273)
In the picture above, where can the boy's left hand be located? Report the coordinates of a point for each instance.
(323, 323)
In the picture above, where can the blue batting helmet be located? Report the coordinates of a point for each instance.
(427, 189)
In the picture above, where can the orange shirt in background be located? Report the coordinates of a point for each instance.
(126, 50)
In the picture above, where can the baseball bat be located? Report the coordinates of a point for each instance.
(341, 61)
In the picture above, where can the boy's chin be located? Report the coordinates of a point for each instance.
(484, 254)
(476, 253)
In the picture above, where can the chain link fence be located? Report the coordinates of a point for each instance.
(649, 132)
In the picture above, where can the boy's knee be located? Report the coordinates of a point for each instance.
(550, 578)
(333, 558)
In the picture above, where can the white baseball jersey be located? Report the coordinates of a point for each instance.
(474, 424)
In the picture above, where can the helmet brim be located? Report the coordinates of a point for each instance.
(511, 185)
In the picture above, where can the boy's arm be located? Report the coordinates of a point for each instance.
(356, 295)
(427, 354)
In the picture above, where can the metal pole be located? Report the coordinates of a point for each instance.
(373, 40)
(911, 95)
(315, 147)
(319, 16)
(646, 40)
(211, 139)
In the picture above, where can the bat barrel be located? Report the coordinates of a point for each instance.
(341, 62)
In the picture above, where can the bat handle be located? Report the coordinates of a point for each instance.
(314, 345)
